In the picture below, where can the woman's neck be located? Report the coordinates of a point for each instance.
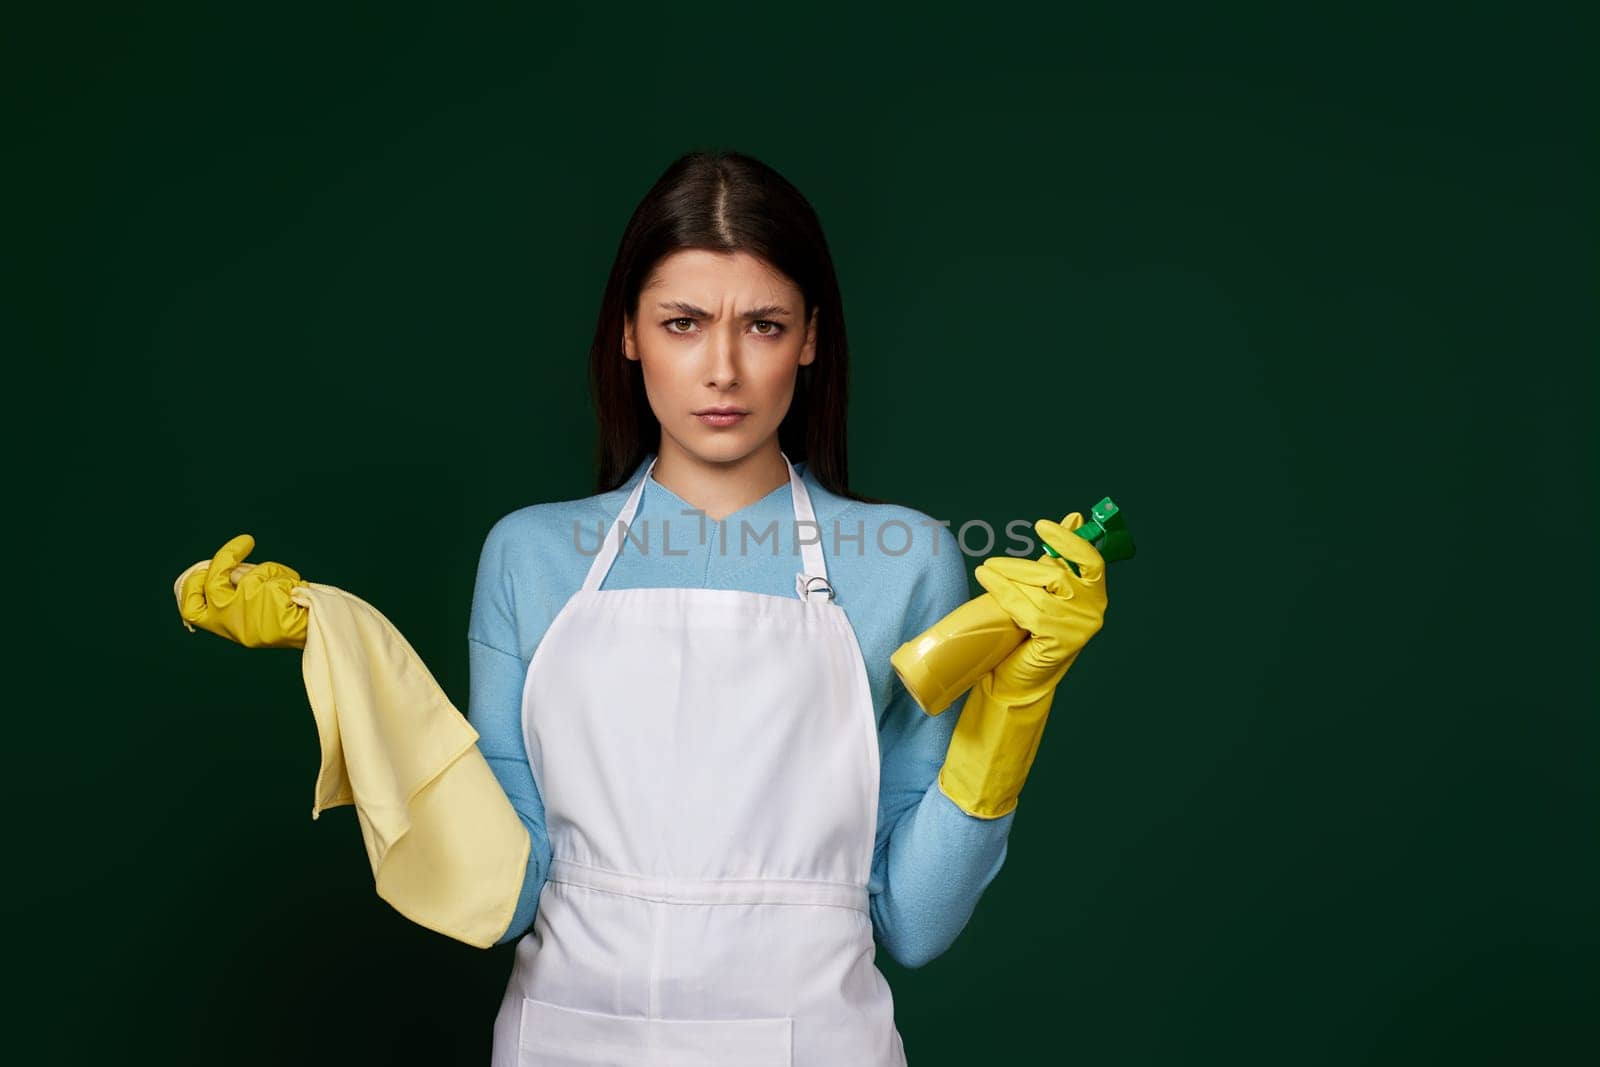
(720, 489)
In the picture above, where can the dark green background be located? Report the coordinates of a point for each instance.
(1311, 295)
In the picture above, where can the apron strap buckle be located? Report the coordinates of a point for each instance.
(806, 584)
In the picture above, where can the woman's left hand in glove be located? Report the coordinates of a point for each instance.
(1001, 724)
(1060, 610)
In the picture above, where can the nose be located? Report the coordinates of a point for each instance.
(723, 351)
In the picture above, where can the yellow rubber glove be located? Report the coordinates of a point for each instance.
(260, 611)
(998, 733)
(447, 849)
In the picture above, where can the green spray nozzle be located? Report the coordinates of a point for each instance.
(1106, 530)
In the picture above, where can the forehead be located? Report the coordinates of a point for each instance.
(697, 272)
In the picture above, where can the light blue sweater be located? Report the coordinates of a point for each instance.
(895, 571)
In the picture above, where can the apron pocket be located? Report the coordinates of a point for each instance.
(555, 1036)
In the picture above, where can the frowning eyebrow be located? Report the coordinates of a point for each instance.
(770, 311)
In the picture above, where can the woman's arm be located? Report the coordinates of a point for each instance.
(933, 860)
(495, 710)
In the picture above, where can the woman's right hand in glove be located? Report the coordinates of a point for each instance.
(260, 611)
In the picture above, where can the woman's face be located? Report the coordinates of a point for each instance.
(718, 330)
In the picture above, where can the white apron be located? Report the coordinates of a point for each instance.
(708, 761)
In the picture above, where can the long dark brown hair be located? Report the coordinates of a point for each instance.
(724, 202)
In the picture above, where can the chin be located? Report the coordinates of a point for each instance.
(721, 446)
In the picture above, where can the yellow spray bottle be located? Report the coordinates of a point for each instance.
(949, 657)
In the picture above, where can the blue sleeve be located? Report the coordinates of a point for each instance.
(932, 860)
(494, 709)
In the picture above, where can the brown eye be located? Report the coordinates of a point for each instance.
(687, 324)
(773, 327)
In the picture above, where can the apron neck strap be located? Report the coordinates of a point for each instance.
(807, 531)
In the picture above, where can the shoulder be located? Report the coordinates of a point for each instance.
(905, 556)
(538, 523)
(898, 528)
(914, 546)
(897, 531)
(901, 539)
(544, 527)
(532, 559)
(548, 531)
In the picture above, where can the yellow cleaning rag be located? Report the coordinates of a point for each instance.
(446, 846)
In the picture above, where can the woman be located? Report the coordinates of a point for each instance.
(682, 683)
